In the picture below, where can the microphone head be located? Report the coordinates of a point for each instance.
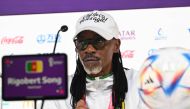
(64, 28)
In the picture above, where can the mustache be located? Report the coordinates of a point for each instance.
(90, 56)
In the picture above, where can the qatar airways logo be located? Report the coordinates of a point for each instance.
(12, 40)
(127, 35)
(127, 54)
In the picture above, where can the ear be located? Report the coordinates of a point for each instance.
(117, 45)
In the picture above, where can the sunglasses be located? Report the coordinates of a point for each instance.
(97, 43)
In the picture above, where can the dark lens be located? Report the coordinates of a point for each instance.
(81, 45)
(99, 43)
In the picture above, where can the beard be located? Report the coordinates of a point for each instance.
(93, 70)
(92, 67)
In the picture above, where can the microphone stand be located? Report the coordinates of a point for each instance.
(63, 29)
(35, 104)
(57, 35)
(35, 101)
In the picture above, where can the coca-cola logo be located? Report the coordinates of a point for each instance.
(12, 40)
(127, 54)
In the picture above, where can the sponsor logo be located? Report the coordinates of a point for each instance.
(151, 51)
(34, 66)
(47, 38)
(160, 35)
(12, 40)
(127, 35)
(53, 62)
(148, 81)
(127, 54)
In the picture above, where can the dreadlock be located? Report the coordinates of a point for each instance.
(78, 84)
(119, 89)
(120, 86)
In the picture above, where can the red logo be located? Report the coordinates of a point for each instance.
(13, 40)
(127, 54)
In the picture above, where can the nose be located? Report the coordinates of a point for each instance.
(90, 48)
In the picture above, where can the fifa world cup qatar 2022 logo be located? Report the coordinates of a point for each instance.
(164, 79)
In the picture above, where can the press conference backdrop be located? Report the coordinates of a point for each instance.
(141, 32)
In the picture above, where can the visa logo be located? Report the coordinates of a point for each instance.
(34, 66)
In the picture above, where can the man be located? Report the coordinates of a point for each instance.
(100, 80)
(95, 78)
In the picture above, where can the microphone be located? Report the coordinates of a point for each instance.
(63, 28)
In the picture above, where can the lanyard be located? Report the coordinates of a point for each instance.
(110, 106)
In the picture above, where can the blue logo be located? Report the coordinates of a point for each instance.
(160, 35)
(47, 38)
(151, 51)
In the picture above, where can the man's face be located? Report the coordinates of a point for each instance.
(95, 53)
